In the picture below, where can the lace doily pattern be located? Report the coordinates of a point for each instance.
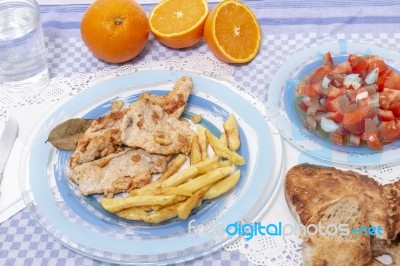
(269, 250)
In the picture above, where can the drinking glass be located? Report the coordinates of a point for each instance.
(23, 62)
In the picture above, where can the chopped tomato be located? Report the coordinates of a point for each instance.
(373, 62)
(395, 106)
(335, 116)
(392, 80)
(358, 65)
(336, 138)
(389, 132)
(353, 119)
(336, 92)
(355, 59)
(385, 115)
(327, 59)
(303, 106)
(360, 109)
(340, 103)
(320, 73)
(386, 97)
(371, 135)
(310, 90)
(342, 68)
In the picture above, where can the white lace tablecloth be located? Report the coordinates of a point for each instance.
(73, 69)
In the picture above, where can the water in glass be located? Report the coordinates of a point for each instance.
(23, 63)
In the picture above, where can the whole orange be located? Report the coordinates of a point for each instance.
(115, 30)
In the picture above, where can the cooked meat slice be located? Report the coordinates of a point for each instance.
(149, 127)
(103, 137)
(152, 122)
(174, 102)
(118, 172)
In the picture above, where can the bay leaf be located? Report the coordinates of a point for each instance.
(65, 136)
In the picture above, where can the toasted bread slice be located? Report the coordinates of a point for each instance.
(349, 248)
(392, 250)
(392, 197)
(310, 188)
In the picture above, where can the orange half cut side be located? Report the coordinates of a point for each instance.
(232, 32)
(179, 23)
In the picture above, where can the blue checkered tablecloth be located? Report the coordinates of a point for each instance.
(287, 26)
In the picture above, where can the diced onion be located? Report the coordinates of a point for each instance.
(362, 95)
(375, 120)
(328, 125)
(353, 80)
(355, 140)
(372, 76)
(307, 101)
(325, 82)
(374, 101)
(312, 110)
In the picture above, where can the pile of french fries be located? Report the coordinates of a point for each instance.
(178, 191)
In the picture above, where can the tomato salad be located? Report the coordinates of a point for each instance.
(355, 102)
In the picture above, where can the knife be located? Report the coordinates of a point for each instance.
(6, 143)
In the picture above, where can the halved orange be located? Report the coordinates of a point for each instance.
(232, 32)
(179, 23)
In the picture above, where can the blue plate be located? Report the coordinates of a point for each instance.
(81, 224)
(281, 104)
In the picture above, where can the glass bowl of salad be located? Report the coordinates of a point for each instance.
(340, 103)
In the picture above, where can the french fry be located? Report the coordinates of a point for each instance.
(195, 151)
(222, 186)
(116, 105)
(176, 191)
(178, 198)
(201, 133)
(209, 167)
(187, 173)
(133, 213)
(118, 204)
(225, 163)
(144, 208)
(223, 139)
(149, 189)
(184, 209)
(162, 215)
(223, 151)
(232, 132)
(172, 169)
(208, 178)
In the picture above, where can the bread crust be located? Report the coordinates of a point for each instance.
(309, 188)
(392, 197)
(350, 249)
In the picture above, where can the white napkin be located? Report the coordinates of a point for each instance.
(27, 117)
